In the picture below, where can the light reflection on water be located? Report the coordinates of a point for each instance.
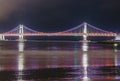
(21, 60)
(58, 61)
(85, 59)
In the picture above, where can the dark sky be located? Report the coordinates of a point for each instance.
(58, 15)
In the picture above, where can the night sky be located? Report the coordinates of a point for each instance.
(59, 15)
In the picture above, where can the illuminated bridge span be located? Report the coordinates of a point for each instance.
(83, 30)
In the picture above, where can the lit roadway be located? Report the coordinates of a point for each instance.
(60, 34)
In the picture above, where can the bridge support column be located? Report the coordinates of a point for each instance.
(21, 32)
(2, 37)
(85, 32)
(117, 37)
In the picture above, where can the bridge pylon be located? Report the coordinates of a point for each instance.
(85, 32)
(117, 37)
(2, 37)
(21, 33)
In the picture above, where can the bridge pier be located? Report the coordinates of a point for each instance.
(85, 32)
(2, 37)
(21, 32)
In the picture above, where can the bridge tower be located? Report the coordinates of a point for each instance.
(85, 32)
(21, 32)
(117, 37)
(2, 37)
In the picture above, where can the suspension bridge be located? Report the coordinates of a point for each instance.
(85, 30)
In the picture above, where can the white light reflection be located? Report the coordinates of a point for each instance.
(20, 60)
(21, 46)
(85, 46)
(116, 62)
(85, 61)
(115, 47)
(116, 59)
(116, 65)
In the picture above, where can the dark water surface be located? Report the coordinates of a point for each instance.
(59, 61)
